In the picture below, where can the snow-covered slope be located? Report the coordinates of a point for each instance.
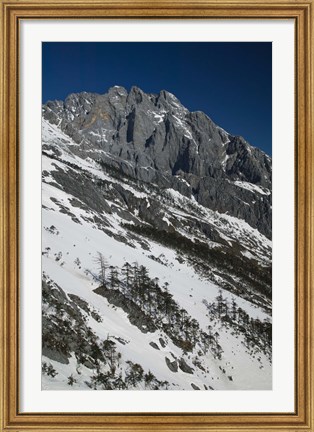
(143, 287)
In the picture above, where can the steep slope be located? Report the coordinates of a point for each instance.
(145, 286)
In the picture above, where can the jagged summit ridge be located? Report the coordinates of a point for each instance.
(155, 139)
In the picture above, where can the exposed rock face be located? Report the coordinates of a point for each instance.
(185, 367)
(154, 345)
(155, 139)
(172, 365)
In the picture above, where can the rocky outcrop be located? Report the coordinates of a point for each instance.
(154, 345)
(185, 367)
(172, 365)
(135, 315)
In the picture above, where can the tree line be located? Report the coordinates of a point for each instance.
(257, 333)
(156, 303)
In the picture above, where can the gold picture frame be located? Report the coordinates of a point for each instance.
(12, 12)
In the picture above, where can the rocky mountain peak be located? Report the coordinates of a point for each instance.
(155, 139)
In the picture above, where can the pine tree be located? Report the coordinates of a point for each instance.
(234, 309)
(71, 380)
(219, 299)
(135, 373)
(114, 277)
(149, 377)
(109, 348)
(135, 284)
(127, 276)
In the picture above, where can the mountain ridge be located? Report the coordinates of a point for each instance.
(154, 138)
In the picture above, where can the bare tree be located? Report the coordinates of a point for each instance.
(102, 267)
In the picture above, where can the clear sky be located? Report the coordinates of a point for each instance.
(230, 81)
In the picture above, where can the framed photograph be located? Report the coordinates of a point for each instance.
(156, 217)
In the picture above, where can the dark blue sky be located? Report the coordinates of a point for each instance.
(230, 81)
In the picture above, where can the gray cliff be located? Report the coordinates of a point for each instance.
(153, 138)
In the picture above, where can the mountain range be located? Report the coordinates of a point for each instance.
(156, 247)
